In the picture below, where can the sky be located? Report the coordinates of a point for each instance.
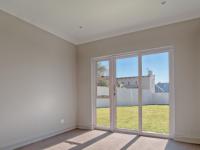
(158, 63)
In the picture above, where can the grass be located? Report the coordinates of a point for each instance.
(155, 118)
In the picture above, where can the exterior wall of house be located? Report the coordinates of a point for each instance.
(131, 82)
(148, 82)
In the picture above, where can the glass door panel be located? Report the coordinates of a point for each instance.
(155, 93)
(126, 83)
(103, 93)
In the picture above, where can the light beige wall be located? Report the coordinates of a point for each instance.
(199, 71)
(183, 36)
(37, 82)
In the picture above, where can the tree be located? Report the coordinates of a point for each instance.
(101, 71)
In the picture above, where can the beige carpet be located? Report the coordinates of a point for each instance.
(102, 140)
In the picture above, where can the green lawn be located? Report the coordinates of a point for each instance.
(155, 118)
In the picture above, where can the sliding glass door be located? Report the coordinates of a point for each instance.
(133, 92)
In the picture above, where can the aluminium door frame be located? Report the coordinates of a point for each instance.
(112, 69)
(94, 91)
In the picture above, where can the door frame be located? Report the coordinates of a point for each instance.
(112, 69)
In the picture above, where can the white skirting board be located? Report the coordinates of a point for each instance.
(84, 127)
(30, 141)
(181, 138)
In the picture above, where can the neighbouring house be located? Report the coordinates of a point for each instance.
(127, 91)
(148, 82)
(162, 87)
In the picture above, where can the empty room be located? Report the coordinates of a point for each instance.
(100, 75)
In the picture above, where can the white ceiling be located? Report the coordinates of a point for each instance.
(99, 18)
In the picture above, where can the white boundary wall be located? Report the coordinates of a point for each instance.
(129, 97)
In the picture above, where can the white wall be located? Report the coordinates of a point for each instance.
(199, 71)
(183, 36)
(129, 97)
(37, 82)
(160, 98)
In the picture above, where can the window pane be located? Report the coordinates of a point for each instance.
(102, 99)
(155, 93)
(127, 93)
